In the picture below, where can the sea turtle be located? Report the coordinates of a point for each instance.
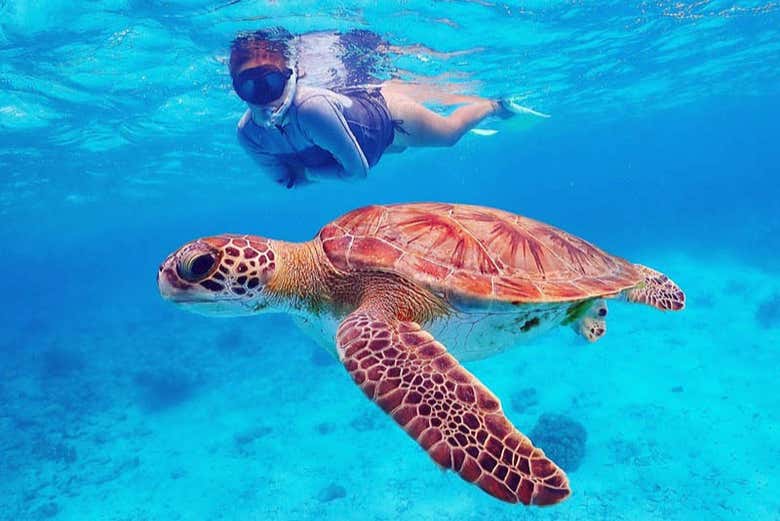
(390, 286)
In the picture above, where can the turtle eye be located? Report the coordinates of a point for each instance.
(195, 267)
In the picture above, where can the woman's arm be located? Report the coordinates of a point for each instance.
(323, 123)
(281, 173)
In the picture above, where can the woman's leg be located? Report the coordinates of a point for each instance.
(425, 128)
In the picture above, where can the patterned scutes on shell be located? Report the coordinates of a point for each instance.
(475, 252)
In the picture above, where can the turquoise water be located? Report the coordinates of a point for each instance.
(117, 145)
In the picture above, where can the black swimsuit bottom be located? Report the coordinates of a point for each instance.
(370, 122)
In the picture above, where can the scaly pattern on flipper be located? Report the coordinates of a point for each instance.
(657, 290)
(445, 408)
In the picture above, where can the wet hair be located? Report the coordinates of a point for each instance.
(251, 45)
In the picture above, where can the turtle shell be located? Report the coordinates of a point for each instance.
(475, 252)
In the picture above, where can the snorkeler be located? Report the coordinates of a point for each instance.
(299, 132)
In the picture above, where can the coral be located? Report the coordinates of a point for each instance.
(164, 389)
(768, 312)
(562, 439)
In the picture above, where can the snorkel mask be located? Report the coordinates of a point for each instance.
(261, 85)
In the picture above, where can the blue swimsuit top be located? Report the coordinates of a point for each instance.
(318, 126)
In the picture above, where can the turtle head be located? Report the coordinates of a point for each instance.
(222, 275)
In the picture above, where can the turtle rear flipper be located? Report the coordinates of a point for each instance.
(657, 290)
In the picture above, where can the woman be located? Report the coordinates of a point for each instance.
(298, 132)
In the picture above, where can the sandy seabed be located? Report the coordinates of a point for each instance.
(127, 416)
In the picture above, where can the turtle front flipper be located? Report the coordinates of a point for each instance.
(447, 410)
(657, 290)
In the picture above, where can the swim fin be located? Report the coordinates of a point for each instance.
(513, 111)
(511, 107)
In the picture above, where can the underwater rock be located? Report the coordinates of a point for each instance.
(57, 362)
(523, 399)
(768, 312)
(247, 437)
(368, 421)
(53, 451)
(47, 510)
(164, 389)
(109, 472)
(244, 442)
(562, 439)
(178, 473)
(325, 428)
(677, 389)
(331, 493)
(23, 424)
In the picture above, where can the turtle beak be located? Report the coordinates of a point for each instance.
(175, 290)
(168, 282)
(167, 290)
